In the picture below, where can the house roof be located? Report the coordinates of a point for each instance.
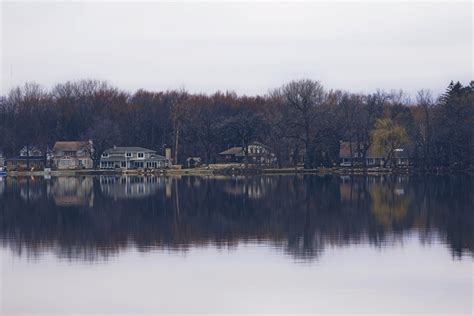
(193, 158)
(25, 158)
(72, 146)
(31, 148)
(237, 151)
(255, 143)
(345, 149)
(124, 149)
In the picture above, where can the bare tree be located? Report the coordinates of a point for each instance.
(303, 99)
(425, 101)
(179, 112)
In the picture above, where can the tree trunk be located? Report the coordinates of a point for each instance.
(176, 145)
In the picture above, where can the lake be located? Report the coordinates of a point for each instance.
(294, 243)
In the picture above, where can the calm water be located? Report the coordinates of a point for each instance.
(236, 244)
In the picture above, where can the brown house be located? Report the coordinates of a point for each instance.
(349, 156)
(257, 153)
(73, 155)
(232, 155)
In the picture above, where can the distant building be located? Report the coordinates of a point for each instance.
(193, 162)
(257, 153)
(349, 156)
(30, 158)
(126, 158)
(231, 155)
(73, 155)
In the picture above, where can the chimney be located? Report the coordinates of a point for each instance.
(168, 153)
(115, 146)
(91, 146)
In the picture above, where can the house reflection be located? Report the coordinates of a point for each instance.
(72, 191)
(30, 188)
(250, 187)
(301, 215)
(126, 187)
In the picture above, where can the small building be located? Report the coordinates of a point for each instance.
(231, 155)
(73, 155)
(350, 156)
(193, 162)
(130, 158)
(30, 158)
(257, 153)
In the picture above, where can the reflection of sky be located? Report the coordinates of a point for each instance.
(250, 278)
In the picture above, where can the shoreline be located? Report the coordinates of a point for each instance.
(234, 170)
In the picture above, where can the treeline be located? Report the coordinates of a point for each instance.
(301, 121)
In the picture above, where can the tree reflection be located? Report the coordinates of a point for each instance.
(90, 218)
(389, 204)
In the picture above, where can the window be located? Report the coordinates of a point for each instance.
(128, 155)
(141, 155)
(123, 164)
(105, 155)
(151, 164)
(66, 162)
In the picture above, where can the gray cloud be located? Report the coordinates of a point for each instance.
(245, 47)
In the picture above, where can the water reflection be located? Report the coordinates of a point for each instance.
(88, 218)
(127, 187)
(72, 191)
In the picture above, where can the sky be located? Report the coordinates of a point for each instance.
(249, 48)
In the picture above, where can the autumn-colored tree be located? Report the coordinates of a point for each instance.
(388, 137)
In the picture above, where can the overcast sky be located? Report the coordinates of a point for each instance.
(246, 47)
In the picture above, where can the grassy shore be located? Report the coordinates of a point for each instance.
(237, 169)
(227, 169)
